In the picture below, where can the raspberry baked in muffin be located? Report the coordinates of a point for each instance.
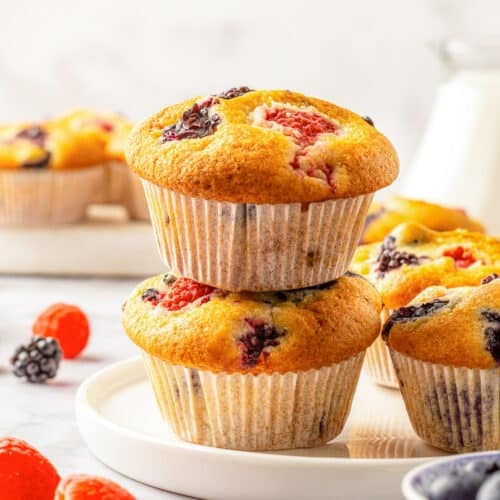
(50, 171)
(253, 371)
(259, 190)
(383, 217)
(446, 350)
(413, 258)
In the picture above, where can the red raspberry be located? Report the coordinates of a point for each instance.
(83, 487)
(307, 126)
(68, 324)
(185, 291)
(463, 257)
(25, 474)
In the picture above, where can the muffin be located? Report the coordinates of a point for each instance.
(413, 258)
(253, 371)
(383, 217)
(446, 350)
(259, 190)
(51, 171)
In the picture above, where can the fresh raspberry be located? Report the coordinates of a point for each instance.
(184, 291)
(306, 126)
(25, 474)
(84, 487)
(66, 323)
(105, 125)
(462, 256)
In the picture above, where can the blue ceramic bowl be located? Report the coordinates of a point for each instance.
(416, 481)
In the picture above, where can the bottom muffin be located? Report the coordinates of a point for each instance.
(253, 371)
(445, 346)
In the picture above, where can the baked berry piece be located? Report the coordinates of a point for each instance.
(220, 361)
(37, 361)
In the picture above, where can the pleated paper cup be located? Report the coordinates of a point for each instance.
(236, 246)
(136, 200)
(455, 409)
(255, 412)
(47, 197)
(378, 360)
(114, 187)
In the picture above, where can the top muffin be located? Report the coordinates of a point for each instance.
(412, 258)
(80, 138)
(384, 217)
(450, 326)
(262, 146)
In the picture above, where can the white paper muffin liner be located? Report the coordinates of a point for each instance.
(255, 412)
(136, 199)
(455, 409)
(253, 247)
(47, 197)
(115, 180)
(378, 360)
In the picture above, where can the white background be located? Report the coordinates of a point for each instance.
(136, 56)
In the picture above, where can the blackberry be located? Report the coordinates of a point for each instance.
(368, 120)
(169, 279)
(492, 333)
(489, 278)
(151, 295)
(196, 122)
(38, 361)
(389, 258)
(409, 313)
(260, 337)
(234, 92)
(34, 134)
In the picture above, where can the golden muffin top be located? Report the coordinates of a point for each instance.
(450, 326)
(384, 217)
(81, 138)
(186, 323)
(262, 146)
(413, 257)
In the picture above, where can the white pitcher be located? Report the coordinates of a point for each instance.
(458, 161)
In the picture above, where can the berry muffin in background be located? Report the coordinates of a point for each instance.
(253, 371)
(446, 350)
(413, 258)
(383, 217)
(52, 170)
(259, 189)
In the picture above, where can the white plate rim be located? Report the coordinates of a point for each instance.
(84, 406)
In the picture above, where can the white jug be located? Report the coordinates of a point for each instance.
(458, 161)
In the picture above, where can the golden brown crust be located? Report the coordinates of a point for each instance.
(398, 286)
(325, 327)
(77, 139)
(243, 161)
(384, 217)
(455, 334)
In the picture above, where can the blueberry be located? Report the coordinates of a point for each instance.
(490, 489)
(455, 486)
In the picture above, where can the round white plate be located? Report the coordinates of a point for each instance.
(121, 424)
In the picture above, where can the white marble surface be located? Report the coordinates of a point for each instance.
(43, 414)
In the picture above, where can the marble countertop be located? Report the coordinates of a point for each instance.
(43, 414)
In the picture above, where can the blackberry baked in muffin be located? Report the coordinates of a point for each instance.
(50, 171)
(253, 371)
(259, 189)
(413, 258)
(383, 217)
(446, 350)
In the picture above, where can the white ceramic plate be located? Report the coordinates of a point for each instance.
(118, 418)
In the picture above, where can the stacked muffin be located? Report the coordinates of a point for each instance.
(255, 337)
